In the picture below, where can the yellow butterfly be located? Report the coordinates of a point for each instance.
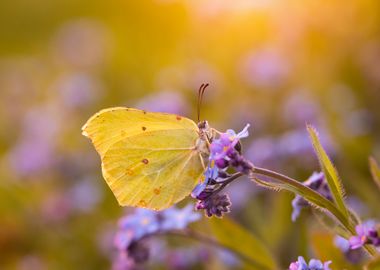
(150, 160)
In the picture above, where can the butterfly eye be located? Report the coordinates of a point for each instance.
(202, 125)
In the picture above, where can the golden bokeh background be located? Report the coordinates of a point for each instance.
(276, 64)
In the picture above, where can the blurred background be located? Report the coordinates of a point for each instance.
(276, 64)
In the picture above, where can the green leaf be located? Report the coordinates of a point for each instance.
(238, 239)
(314, 198)
(329, 171)
(375, 170)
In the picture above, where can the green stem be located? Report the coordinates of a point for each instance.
(328, 205)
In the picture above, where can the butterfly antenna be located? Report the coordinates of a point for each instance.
(201, 92)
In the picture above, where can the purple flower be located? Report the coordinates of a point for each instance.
(366, 233)
(178, 219)
(164, 101)
(314, 264)
(342, 243)
(223, 146)
(267, 69)
(135, 228)
(143, 222)
(354, 256)
(201, 191)
(123, 262)
(316, 182)
(224, 153)
(215, 205)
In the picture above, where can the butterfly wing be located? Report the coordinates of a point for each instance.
(114, 124)
(148, 159)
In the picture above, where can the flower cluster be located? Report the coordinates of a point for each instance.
(225, 153)
(135, 228)
(366, 233)
(352, 255)
(316, 182)
(314, 264)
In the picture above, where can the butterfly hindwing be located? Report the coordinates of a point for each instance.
(155, 169)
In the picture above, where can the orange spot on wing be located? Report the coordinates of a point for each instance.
(142, 203)
(178, 117)
(143, 128)
(157, 191)
(129, 172)
(145, 161)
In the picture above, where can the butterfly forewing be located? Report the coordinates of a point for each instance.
(114, 124)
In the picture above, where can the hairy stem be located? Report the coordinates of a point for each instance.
(328, 205)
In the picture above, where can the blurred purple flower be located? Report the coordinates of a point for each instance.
(300, 108)
(123, 262)
(178, 219)
(342, 243)
(56, 208)
(85, 194)
(354, 256)
(314, 264)
(358, 123)
(81, 43)
(31, 262)
(29, 157)
(134, 228)
(366, 233)
(229, 259)
(34, 150)
(186, 258)
(241, 192)
(291, 144)
(164, 101)
(265, 69)
(78, 90)
(316, 182)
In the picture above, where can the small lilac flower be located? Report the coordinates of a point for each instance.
(342, 243)
(197, 191)
(135, 228)
(142, 222)
(168, 101)
(266, 69)
(316, 182)
(224, 153)
(354, 256)
(314, 264)
(215, 205)
(200, 192)
(219, 148)
(366, 233)
(138, 252)
(123, 262)
(174, 218)
(299, 265)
